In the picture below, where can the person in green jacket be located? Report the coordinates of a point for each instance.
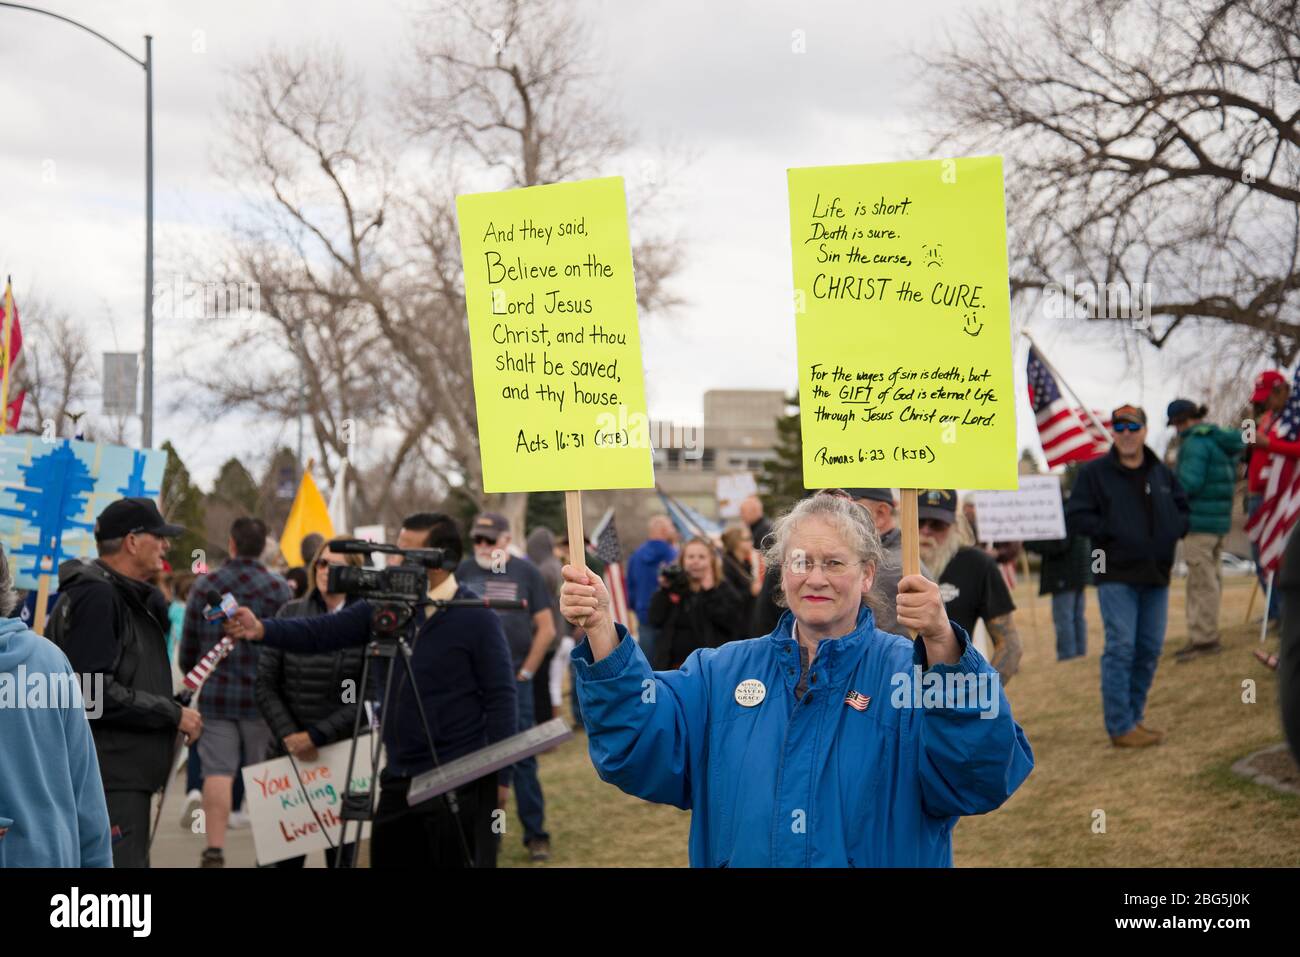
(1207, 469)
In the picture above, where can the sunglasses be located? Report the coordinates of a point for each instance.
(484, 540)
(1126, 426)
(323, 563)
(931, 525)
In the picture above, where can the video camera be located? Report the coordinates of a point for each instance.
(407, 582)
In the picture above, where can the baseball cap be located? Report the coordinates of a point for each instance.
(874, 494)
(128, 515)
(1181, 409)
(939, 504)
(489, 524)
(1265, 383)
(1129, 413)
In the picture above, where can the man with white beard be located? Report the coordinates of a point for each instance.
(970, 583)
(494, 573)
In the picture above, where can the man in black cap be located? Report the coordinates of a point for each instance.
(1133, 508)
(110, 621)
(970, 582)
(880, 505)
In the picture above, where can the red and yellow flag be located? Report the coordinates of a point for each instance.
(11, 345)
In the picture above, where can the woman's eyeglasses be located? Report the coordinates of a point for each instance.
(831, 567)
(1126, 426)
(323, 563)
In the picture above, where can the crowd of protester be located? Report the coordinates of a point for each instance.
(483, 675)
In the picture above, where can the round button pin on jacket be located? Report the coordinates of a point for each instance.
(750, 692)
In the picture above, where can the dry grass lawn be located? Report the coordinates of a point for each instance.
(1174, 805)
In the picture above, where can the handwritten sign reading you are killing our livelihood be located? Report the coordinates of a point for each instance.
(553, 332)
(903, 324)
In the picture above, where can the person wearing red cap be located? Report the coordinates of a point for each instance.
(1269, 397)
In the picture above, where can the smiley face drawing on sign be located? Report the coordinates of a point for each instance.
(750, 693)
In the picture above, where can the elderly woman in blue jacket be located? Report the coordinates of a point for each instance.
(827, 743)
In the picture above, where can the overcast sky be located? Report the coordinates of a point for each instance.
(719, 80)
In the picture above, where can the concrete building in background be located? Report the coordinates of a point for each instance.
(737, 435)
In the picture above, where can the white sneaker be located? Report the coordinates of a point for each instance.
(238, 820)
(193, 801)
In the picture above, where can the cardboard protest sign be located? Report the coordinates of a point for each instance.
(903, 324)
(281, 803)
(1032, 513)
(51, 492)
(558, 381)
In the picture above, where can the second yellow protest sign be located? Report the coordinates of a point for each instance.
(556, 352)
(903, 323)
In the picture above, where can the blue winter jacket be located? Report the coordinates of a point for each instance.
(643, 573)
(812, 782)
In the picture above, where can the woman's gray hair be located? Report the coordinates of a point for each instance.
(850, 520)
(8, 597)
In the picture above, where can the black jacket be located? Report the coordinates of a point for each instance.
(690, 620)
(115, 626)
(765, 615)
(306, 692)
(738, 577)
(462, 671)
(1134, 516)
(1067, 564)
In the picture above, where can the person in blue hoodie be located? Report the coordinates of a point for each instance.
(827, 743)
(643, 577)
(52, 807)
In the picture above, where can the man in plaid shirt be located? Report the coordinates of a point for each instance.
(230, 714)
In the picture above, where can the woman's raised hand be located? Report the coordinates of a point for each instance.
(584, 602)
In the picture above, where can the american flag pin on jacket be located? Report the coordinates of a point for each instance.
(858, 702)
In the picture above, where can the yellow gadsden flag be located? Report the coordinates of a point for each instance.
(308, 515)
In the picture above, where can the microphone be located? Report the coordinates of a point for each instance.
(220, 606)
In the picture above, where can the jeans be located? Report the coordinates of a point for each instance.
(528, 789)
(1253, 503)
(1134, 617)
(646, 635)
(1071, 627)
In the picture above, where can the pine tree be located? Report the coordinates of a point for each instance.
(780, 482)
(546, 508)
(182, 504)
(235, 486)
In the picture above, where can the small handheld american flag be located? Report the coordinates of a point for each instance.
(609, 551)
(199, 673)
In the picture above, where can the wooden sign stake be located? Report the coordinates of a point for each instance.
(577, 540)
(907, 522)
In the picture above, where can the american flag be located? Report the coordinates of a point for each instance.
(1066, 433)
(610, 552)
(1272, 523)
(858, 702)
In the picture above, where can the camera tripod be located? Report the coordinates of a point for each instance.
(389, 625)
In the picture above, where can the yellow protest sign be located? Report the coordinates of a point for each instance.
(556, 352)
(903, 322)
